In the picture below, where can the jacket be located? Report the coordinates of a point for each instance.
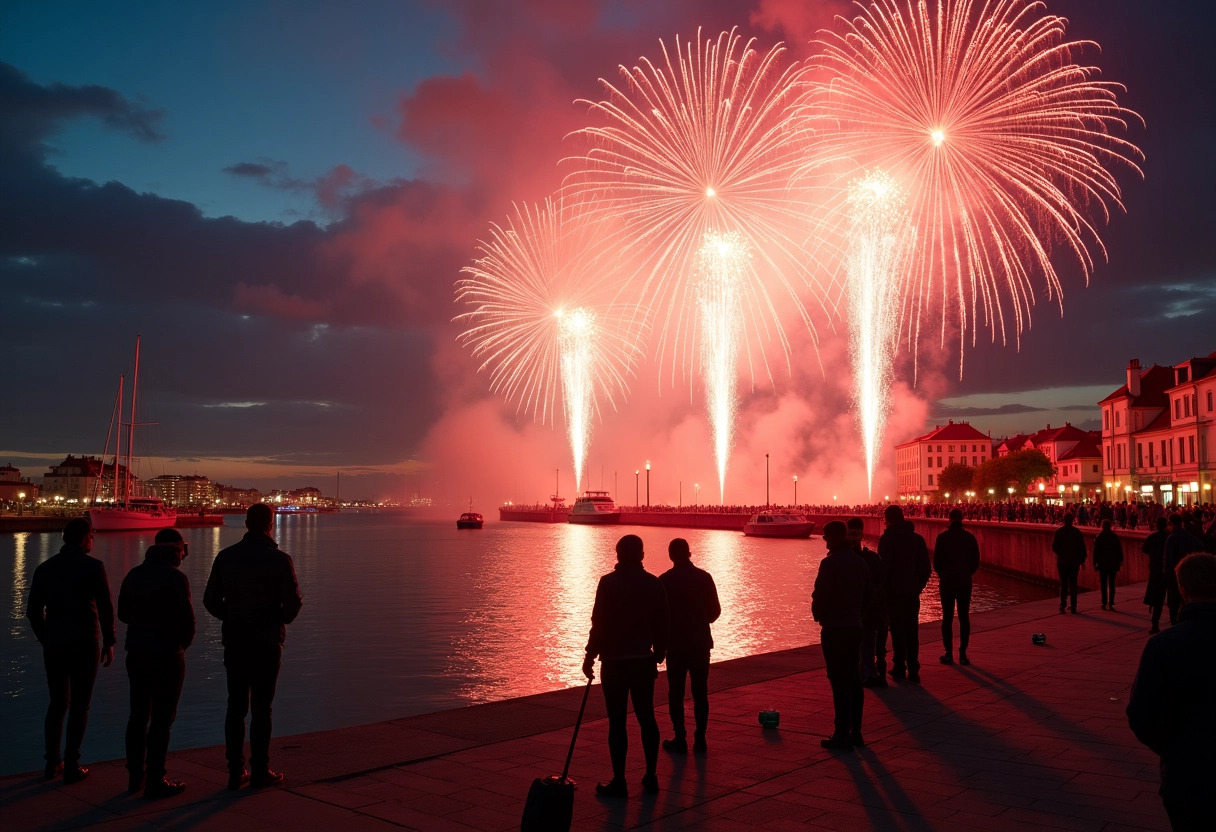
(1172, 707)
(1154, 547)
(842, 589)
(875, 615)
(154, 601)
(253, 590)
(907, 559)
(956, 556)
(1069, 545)
(629, 619)
(692, 605)
(70, 600)
(1108, 551)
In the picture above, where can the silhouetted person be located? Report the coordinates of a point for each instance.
(1178, 545)
(1172, 708)
(956, 557)
(1108, 557)
(629, 624)
(692, 600)
(873, 659)
(908, 568)
(1069, 546)
(253, 591)
(838, 603)
(154, 601)
(71, 611)
(1154, 591)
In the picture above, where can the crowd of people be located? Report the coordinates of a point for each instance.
(252, 590)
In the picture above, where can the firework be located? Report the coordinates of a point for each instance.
(1001, 141)
(721, 262)
(878, 242)
(543, 321)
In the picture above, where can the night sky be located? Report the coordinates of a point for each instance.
(279, 195)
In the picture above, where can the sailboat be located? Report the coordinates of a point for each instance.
(128, 513)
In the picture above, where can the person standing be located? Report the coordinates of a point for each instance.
(838, 603)
(1178, 545)
(1108, 557)
(154, 601)
(629, 624)
(1069, 546)
(72, 613)
(956, 557)
(1154, 590)
(908, 568)
(873, 664)
(252, 589)
(692, 601)
(1172, 707)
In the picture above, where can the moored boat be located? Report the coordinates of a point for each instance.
(778, 524)
(470, 520)
(594, 507)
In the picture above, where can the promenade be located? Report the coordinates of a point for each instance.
(1028, 736)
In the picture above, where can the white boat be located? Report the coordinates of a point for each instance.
(778, 524)
(128, 512)
(594, 507)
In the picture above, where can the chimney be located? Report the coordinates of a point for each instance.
(1133, 377)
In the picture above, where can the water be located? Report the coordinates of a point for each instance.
(403, 617)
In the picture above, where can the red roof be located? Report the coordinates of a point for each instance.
(1162, 422)
(950, 432)
(1087, 448)
(1153, 383)
(1013, 443)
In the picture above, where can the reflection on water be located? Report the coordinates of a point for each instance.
(408, 617)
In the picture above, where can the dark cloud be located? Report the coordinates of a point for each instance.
(253, 170)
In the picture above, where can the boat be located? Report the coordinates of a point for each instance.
(778, 524)
(594, 507)
(470, 520)
(128, 512)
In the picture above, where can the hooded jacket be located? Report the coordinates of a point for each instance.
(154, 601)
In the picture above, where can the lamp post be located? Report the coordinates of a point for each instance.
(20, 503)
(648, 483)
(1076, 493)
(795, 491)
(636, 472)
(697, 488)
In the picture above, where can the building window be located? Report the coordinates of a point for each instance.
(974, 461)
(1191, 443)
(1181, 451)
(939, 462)
(1118, 418)
(1186, 405)
(930, 479)
(951, 449)
(1108, 465)
(1095, 469)
(1209, 401)
(951, 460)
(1140, 455)
(1177, 408)
(1106, 419)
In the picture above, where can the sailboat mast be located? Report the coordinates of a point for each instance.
(131, 427)
(115, 416)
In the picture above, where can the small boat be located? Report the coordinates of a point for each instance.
(470, 520)
(778, 524)
(594, 507)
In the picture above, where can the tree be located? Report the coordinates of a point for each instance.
(954, 479)
(1018, 469)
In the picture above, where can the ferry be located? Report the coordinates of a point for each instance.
(778, 524)
(594, 507)
(470, 520)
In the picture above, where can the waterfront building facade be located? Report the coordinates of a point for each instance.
(13, 485)
(1074, 453)
(184, 490)
(79, 478)
(919, 462)
(1157, 432)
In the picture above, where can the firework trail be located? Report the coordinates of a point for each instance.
(721, 263)
(701, 143)
(1001, 141)
(543, 321)
(879, 241)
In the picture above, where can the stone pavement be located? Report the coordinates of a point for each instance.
(1028, 736)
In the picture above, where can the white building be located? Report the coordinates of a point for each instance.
(919, 462)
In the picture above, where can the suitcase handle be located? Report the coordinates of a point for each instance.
(577, 723)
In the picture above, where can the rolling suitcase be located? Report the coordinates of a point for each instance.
(550, 805)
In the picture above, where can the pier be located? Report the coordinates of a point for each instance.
(1028, 736)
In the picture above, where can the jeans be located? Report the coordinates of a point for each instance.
(623, 680)
(840, 646)
(905, 634)
(71, 670)
(1108, 586)
(694, 664)
(253, 672)
(874, 651)
(1068, 585)
(156, 686)
(952, 595)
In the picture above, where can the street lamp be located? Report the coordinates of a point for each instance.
(795, 491)
(648, 483)
(1075, 493)
(697, 487)
(636, 473)
(767, 501)
(991, 491)
(20, 503)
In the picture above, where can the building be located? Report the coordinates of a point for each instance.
(1157, 430)
(184, 490)
(84, 478)
(1074, 453)
(238, 497)
(13, 485)
(919, 462)
(1079, 470)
